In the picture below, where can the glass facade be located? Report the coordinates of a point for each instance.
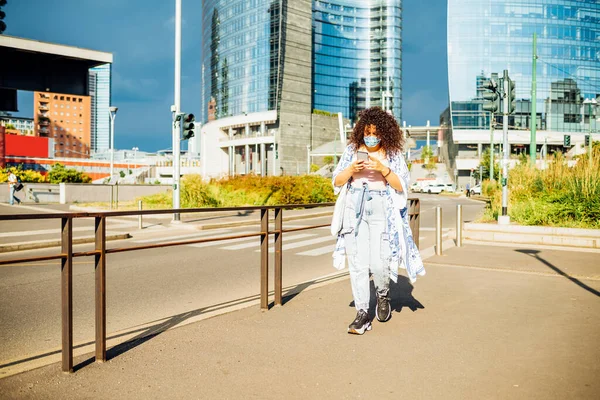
(489, 36)
(357, 58)
(99, 91)
(240, 54)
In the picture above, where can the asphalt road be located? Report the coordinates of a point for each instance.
(149, 285)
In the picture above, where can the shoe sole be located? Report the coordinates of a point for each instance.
(360, 331)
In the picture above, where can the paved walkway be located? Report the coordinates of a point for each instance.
(485, 323)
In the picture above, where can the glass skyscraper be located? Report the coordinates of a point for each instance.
(99, 91)
(277, 72)
(489, 36)
(240, 53)
(357, 57)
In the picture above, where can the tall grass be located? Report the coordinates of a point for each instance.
(247, 190)
(556, 196)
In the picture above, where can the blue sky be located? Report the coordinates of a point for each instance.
(140, 34)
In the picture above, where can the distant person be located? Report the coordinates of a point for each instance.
(12, 183)
(375, 235)
(468, 190)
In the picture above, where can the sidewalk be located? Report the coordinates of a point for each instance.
(485, 323)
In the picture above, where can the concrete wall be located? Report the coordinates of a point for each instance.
(80, 193)
(296, 92)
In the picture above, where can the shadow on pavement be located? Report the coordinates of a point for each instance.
(535, 254)
(401, 296)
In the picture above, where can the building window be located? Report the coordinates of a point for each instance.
(62, 97)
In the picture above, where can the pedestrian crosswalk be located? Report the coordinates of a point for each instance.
(311, 243)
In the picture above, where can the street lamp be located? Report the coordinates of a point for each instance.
(113, 114)
(590, 103)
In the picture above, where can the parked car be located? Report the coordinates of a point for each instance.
(435, 188)
(476, 189)
(415, 187)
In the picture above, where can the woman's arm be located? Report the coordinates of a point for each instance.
(345, 168)
(393, 179)
(387, 172)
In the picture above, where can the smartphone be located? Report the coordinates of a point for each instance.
(362, 156)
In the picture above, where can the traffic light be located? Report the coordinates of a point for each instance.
(587, 140)
(491, 97)
(567, 141)
(2, 16)
(510, 96)
(188, 126)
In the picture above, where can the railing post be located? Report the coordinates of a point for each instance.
(66, 289)
(459, 225)
(278, 255)
(100, 265)
(414, 218)
(140, 226)
(438, 230)
(264, 258)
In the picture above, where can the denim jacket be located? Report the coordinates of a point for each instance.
(403, 251)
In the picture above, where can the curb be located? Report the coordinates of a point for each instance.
(5, 248)
(533, 235)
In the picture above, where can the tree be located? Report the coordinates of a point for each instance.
(429, 160)
(485, 167)
(60, 174)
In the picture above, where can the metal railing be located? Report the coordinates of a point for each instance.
(67, 255)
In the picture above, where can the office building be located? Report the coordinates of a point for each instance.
(486, 37)
(21, 125)
(64, 118)
(99, 86)
(277, 73)
(357, 56)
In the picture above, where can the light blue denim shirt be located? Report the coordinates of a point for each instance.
(403, 251)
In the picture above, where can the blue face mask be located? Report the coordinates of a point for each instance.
(371, 141)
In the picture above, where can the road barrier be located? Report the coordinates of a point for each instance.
(67, 255)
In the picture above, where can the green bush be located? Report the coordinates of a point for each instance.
(557, 196)
(60, 174)
(24, 175)
(248, 190)
(195, 193)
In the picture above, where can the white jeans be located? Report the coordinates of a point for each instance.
(367, 248)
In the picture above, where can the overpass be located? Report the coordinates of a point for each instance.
(33, 65)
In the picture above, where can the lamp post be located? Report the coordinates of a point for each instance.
(113, 114)
(590, 103)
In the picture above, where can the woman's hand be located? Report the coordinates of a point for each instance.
(357, 165)
(375, 164)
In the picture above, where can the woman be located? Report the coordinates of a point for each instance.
(375, 235)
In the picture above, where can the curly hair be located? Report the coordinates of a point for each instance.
(392, 138)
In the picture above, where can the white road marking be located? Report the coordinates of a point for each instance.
(257, 243)
(319, 251)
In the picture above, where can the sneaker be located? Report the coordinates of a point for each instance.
(360, 324)
(383, 312)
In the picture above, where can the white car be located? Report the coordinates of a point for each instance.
(415, 187)
(476, 189)
(435, 188)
